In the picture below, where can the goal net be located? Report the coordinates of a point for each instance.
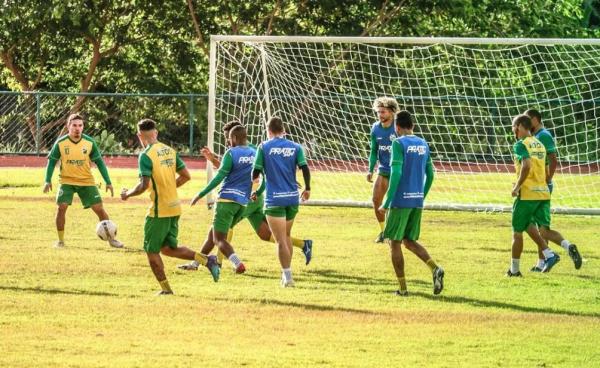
(462, 93)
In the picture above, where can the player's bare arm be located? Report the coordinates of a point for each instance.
(140, 188)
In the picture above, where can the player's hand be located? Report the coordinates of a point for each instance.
(550, 186)
(47, 187)
(253, 196)
(515, 191)
(207, 153)
(109, 187)
(305, 195)
(370, 177)
(195, 200)
(124, 194)
(382, 210)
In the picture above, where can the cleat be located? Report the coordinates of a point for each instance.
(240, 269)
(287, 283)
(192, 266)
(535, 269)
(213, 267)
(575, 256)
(510, 274)
(551, 262)
(59, 244)
(307, 250)
(164, 292)
(380, 238)
(115, 243)
(401, 292)
(438, 280)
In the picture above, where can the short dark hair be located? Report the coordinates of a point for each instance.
(230, 125)
(523, 120)
(74, 117)
(404, 120)
(275, 124)
(533, 113)
(145, 125)
(239, 132)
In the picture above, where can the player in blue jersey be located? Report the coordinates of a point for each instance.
(411, 177)
(382, 135)
(277, 160)
(235, 173)
(545, 137)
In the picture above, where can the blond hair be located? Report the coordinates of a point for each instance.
(387, 102)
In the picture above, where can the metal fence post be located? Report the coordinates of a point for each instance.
(38, 123)
(191, 122)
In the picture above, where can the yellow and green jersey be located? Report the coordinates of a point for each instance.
(75, 160)
(161, 163)
(534, 187)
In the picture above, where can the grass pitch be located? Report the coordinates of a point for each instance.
(91, 305)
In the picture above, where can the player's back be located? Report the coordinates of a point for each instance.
(280, 162)
(410, 191)
(534, 187)
(163, 188)
(238, 183)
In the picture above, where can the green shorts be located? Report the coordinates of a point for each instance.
(384, 174)
(88, 194)
(227, 215)
(530, 212)
(160, 232)
(254, 213)
(403, 223)
(289, 212)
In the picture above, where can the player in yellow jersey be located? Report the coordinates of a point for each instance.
(532, 202)
(76, 151)
(163, 171)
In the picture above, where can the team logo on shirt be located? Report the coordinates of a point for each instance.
(84, 151)
(246, 160)
(66, 150)
(285, 152)
(416, 149)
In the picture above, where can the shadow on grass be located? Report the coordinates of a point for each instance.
(497, 304)
(56, 291)
(306, 306)
(107, 249)
(334, 277)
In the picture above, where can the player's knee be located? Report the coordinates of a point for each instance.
(62, 207)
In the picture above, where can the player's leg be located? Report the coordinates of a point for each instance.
(204, 254)
(395, 224)
(278, 225)
(158, 269)
(539, 266)
(521, 219)
(155, 232)
(557, 238)
(64, 198)
(541, 216)
(398, 263)
(380, 187)
(227, 215)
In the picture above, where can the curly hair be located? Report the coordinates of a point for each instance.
(387, 102)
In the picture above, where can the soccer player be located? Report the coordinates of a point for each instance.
(410, 180)
(382, 135)
(236, 174)
(532, 202)
(76, 151)
(163, 171)
(544, 136)
(277, 159)
(253, 213)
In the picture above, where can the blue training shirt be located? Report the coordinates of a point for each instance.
(383, 138)
(278, 159)
(410, 190)
(237, 185)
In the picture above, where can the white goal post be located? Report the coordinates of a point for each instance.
(462, 92)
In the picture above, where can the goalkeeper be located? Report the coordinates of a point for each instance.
(382, 135)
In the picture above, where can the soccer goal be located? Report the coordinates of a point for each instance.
(463, 93)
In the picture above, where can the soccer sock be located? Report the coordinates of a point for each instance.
(220, 257)
(541, 263)
(431, 263)
(61, 235)
(548, 253)
(287, 273)
(402, 283)
(235, 260)
(565, 244)
(298, 243)
(164, 284)
(514, 265)
(382, 225)
(200, 258)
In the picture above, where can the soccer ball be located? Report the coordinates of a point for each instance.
(106, 229)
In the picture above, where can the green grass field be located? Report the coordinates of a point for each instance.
(91, 305)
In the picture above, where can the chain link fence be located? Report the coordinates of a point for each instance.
(31, 122)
